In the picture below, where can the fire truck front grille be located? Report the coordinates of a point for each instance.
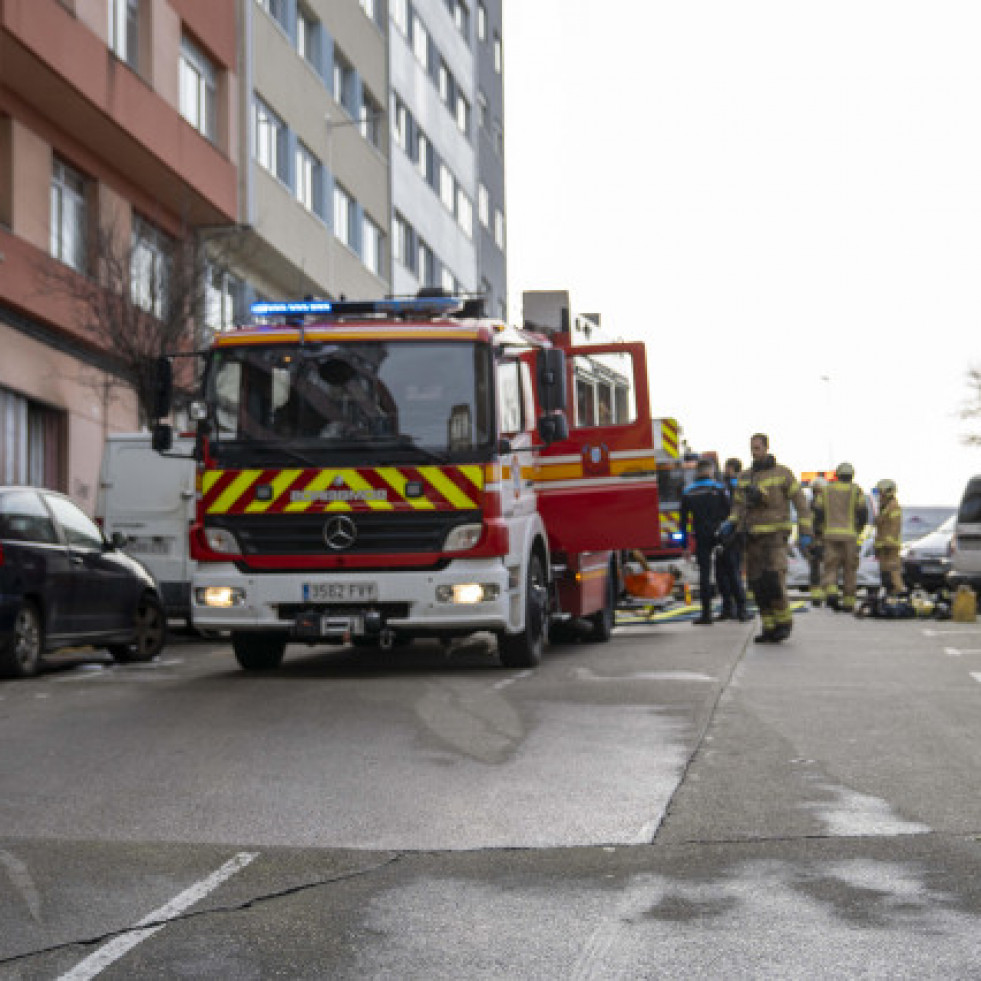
(374, 533)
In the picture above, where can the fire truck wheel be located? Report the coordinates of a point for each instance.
(601, 623)
(524, 650)
(259, 651)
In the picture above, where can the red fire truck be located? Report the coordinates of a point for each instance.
(370, 472)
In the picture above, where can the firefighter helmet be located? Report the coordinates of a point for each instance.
(845, 471)
(886, 487)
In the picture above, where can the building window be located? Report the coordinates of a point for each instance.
(368, 6)
(400, 124)
(483, 206)
(124, 31)
(427, 265)
(402, 250)
(443, 82)
(481, 22)
(371, 246)
(424, 156)
(343, 215)
(499, 228)
(270, 141)
(307, 29)
(420, 42)
(199, 90)
(400, 15)
(498, 54)
(462, 114)
(150, 268)
(481, 110)
(224, 300)
(447, 188)
(464, 212)
(307, 174)
(343, 90)
(371, 119)
(69, 221)
(32, 442)
(461, 17)
(447, 280)
(277, 10)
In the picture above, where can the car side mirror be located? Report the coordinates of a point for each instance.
(551, 379)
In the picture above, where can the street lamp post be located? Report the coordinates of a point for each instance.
(829, 422)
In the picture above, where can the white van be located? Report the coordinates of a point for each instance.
(149, 498)
(965, 558)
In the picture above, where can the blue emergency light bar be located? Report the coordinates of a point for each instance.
(428, 306)
(677, 536)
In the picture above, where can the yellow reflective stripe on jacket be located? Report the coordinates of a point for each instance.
(766, 529)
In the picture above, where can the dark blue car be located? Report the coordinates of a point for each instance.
(63, 585)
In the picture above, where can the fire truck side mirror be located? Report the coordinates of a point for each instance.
(553, 428)
(551, 379)
(162, 437)
(163, 388)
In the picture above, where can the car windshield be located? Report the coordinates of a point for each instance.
(419, 401)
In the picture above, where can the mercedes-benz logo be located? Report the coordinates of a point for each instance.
(340, 533)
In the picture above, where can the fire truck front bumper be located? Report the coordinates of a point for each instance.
(468, 595)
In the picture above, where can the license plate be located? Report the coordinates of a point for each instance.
(932, 567)
(340, 592)
(148, 546)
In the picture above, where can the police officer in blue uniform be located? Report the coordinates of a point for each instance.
(706, 505)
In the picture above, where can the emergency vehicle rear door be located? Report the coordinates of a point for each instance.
(598, 489)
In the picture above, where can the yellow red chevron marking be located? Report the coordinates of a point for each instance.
(236, 489)
(669, 436)
(397, 481)
(447, 488)
(280, 484)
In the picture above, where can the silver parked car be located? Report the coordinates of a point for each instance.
(798, 571)
(965, 558)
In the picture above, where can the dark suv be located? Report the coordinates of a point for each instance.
(63, 585)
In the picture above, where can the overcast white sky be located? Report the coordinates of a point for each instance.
(767, 192)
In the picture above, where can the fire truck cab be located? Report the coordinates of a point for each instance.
(370, 472)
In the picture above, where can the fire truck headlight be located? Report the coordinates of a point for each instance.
(468, 592)
(221, 540)
(463, 537)
(219, 596)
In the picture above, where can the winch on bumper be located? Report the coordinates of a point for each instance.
(468, 595)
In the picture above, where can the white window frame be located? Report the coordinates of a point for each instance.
(400, 15)
(422, 154)
(124, 31)
(420, 41)
(462, 114)
(343, 215)
(306, 33)
(464, 211)
(499, 228)
(481, 22)
(371, 246)
(198, 90)
(69, 215)
(368, 6)
(447, 188)
(150, 261)
(269, 132)
(223, 300)
(483, 205)
(498, 54)
(307, 167)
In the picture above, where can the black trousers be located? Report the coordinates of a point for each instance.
(728, 574)
(703, 556)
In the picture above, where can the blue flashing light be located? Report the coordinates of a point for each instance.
(423, 306)
(291, 308)
(677, 536)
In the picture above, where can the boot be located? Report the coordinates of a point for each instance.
(705, 618)
(781, 632)
(766, 637)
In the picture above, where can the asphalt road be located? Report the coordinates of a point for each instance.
(678, 803)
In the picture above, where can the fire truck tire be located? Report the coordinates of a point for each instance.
(601, 623)
(259, 651)
(524, 649)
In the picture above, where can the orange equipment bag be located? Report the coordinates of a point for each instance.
(649, 585)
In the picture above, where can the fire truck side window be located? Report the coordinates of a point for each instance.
(509, 409)
(604, 389)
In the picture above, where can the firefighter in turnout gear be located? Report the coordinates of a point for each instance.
(844, 512)
(761, 510)
(816, 553)
(888, 537)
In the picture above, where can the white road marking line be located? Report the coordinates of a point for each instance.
(952, 652)
(20, 875)
(976, 675)
(945, 633)
(107, 954)
(510, 681)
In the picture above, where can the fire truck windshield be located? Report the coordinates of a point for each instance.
(407, 400)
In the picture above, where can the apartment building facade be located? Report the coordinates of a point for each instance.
(118, 124)
(309, 147)
(446, 107)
